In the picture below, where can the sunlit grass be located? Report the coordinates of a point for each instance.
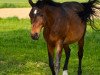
(20, 55)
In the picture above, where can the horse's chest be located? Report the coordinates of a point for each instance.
(52, 36)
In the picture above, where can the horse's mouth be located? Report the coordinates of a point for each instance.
(35, 36)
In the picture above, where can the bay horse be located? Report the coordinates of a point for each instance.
(63, 24)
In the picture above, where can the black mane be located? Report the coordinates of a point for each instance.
(42, 3)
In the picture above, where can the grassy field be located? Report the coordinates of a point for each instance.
(20, 55)
(24, 3)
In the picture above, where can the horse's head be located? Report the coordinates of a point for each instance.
(37, 20)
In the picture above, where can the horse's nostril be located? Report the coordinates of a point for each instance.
(35, 36)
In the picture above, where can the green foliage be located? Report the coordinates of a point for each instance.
(24, 3)
(14, 5)
(6, 5)
(19, 54)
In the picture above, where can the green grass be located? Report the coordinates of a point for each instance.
(20, 55)
(24, 3)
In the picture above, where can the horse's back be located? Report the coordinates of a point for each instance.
(74, 6)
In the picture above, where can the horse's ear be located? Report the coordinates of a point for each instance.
(31, 3)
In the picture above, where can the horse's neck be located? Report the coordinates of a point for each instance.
(53, 16)
(49, 17)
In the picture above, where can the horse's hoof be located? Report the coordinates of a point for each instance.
(65, 72)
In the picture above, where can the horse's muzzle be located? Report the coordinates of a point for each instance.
(35, 36)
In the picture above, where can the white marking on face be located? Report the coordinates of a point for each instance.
(35, 11)
(65, 72)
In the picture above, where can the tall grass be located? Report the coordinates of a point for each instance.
(19, 54)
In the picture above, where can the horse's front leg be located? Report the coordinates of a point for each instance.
(51, 57)
(58, 57)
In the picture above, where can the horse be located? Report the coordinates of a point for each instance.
(63, 24)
